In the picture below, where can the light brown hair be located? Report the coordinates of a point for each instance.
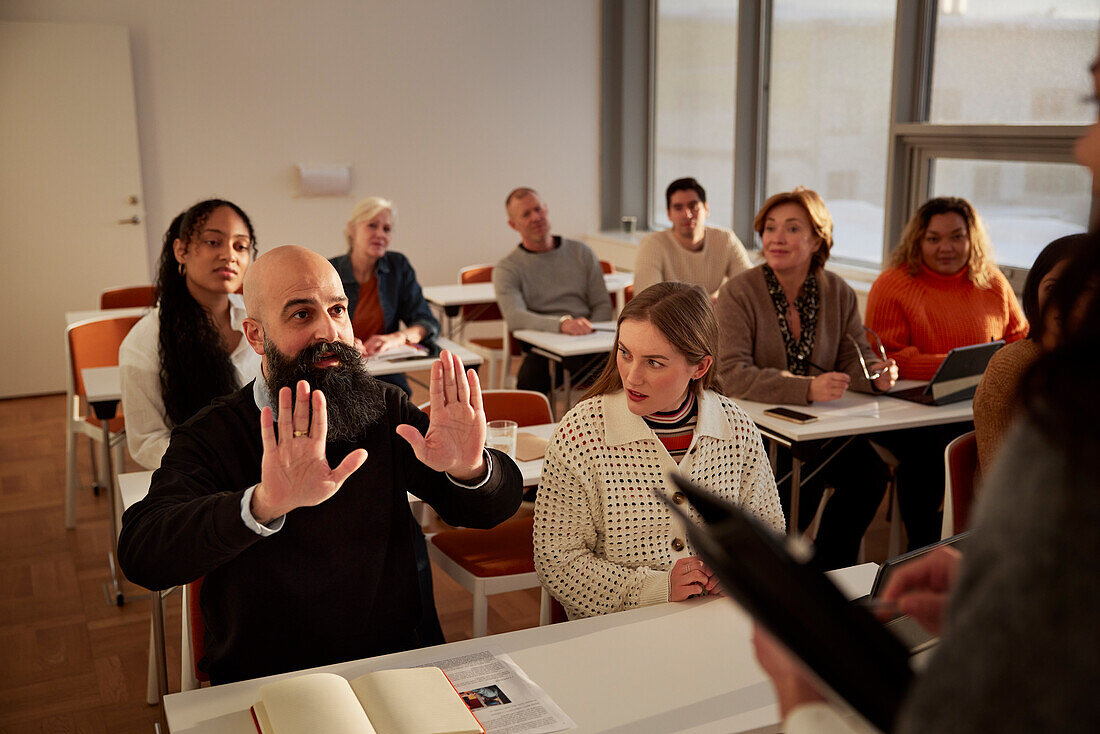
(518, 193)
(979, 261)
(820, 220)
(683, 315)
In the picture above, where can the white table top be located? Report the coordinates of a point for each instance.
(133, 486)
(680, 667)
(380, 367)
(859, 413)
(567, 345)
(463, 294)
(72, 317)
(102, 384)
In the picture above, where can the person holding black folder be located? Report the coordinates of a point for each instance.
(1020, 638)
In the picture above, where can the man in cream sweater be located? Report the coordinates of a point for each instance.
(690, 252)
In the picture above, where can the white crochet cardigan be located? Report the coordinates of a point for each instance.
(603, 541)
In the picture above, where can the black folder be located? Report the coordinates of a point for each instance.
(847, 648)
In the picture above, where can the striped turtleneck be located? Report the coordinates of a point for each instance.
(674, 428)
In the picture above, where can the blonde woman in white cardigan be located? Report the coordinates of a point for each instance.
(603, 540)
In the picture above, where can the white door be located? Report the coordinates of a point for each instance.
(69, 174)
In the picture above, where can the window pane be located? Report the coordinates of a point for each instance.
(695, 86)
(1013, 61)
(1024, 205)
(828, 122)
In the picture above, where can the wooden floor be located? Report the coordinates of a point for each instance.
(70, 659)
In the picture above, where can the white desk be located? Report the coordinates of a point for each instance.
(449, 298)
(556, 347)
(854, 414)
(678, 667)
(379, 367)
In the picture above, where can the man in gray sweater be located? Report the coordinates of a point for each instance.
(547, 283)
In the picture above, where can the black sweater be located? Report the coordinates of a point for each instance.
(337, 582)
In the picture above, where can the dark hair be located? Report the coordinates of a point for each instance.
(194, 364)
(1058, 393)
(683, 315)
(1063, 248)
(684, 184)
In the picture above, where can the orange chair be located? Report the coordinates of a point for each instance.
(497, 350)
(961, 462)
(607, 267)
(501, 559)
(91, 343)
(128, 297)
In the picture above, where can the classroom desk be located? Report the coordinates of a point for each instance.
(380, 367)
(853, 415)
(556, 346)
(450, 298)
(678, 667)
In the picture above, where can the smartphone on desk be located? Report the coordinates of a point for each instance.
(787, 414)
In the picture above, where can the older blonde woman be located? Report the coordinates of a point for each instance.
(386, 304)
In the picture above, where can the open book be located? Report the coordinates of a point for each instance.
(402, 701)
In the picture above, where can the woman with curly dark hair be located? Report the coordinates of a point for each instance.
(191, 348)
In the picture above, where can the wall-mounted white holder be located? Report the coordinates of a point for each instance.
(324, 180)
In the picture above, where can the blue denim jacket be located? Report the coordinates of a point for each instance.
(398, 291)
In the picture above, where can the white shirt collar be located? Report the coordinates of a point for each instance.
(622, 427)
(237, 312)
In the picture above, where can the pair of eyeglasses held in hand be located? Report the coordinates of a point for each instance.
(876, 345)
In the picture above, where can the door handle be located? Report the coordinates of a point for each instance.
(132, 220)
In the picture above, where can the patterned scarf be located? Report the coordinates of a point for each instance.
(807, 304)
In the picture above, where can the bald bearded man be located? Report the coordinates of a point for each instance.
(304, 564)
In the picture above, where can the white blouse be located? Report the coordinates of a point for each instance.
(148, 428)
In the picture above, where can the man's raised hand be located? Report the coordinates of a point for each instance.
(294, 471)
(456, 428)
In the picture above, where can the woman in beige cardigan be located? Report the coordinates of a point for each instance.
(801, 348)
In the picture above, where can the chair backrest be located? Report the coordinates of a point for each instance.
(129, 297)
(961, 457)
(479, 311)
(525, 407)
(628, 293)
(95, 343)
(607, 267)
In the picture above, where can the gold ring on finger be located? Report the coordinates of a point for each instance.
(299, 434)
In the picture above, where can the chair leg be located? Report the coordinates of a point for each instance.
(98, 467)
(481, 613)
(544, 607)
(72, 479)
(151, 694)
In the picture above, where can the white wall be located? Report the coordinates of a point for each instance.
(441, 105)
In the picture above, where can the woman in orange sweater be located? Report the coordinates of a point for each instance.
(942, 290)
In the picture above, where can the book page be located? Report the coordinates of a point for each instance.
(504, 699)
(413, 701)
(318, 702)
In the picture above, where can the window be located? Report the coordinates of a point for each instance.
(1008, 61)
(695, 83)
(828, 114)
(1024, 205)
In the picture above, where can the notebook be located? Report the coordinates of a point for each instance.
(957, 377)
(847, 648)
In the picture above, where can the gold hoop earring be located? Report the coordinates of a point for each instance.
(182, 269)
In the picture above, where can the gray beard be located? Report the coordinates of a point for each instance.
(352, 396)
